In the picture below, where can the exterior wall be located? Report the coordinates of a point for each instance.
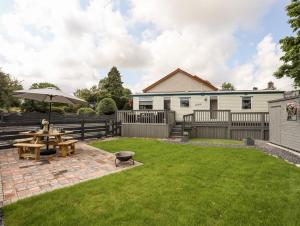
(179, 82)
(231, 102)
(196, 103)
(259, 102)
(283, 132)
(135, 101)
(146, 130)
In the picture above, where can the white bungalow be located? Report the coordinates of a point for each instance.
(183, 93)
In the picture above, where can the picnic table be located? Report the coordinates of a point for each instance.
(53, 138)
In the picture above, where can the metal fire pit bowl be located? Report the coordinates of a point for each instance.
(124, 156)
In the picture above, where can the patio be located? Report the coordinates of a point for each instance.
(25, 178)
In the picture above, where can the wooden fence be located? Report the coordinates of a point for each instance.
(227, 124)
(81, 128)
(146, 123)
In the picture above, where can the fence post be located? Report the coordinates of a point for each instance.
(229, 125)
(106, 128)
(262, 124)
(82, 129)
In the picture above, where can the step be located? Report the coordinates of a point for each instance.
(177, 129)
(175, 137)
(176, 133)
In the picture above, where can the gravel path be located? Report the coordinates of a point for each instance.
(290, 156)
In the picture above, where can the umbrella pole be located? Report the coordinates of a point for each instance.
(49, 121)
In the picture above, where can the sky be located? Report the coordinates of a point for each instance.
(74, 43)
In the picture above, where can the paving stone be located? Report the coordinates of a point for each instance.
(25, 178)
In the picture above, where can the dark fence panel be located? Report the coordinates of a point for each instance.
(80, 128)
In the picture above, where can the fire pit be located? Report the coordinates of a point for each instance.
(124, 156)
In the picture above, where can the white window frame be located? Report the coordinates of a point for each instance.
(251, 103)
(146, 99)
(184, 98)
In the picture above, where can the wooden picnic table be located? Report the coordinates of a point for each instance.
(53, 138)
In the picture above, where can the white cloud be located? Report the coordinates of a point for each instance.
(60, 42)
(259, 71)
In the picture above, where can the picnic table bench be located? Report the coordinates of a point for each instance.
(29, 150)
(67, 147)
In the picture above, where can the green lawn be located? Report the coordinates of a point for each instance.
(215, 141)
(177, 185)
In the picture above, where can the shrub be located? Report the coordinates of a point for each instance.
(106, 106)
(58, 110)
(3, 110)
(86, 111)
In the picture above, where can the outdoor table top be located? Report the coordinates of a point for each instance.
(42, 134)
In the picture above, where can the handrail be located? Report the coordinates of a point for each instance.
(146, 116)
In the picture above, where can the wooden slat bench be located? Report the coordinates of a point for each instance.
(65, 138)
(24, 140)
(28, 150)
(67, 147)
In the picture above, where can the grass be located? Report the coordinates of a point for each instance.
(216, 141)
(177, 185)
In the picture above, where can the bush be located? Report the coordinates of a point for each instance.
(86, 111)
(3, 110)
(106, 106)
(58, 110)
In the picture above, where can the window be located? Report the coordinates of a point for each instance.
(184, 102)
(145, 103)
(246, 103)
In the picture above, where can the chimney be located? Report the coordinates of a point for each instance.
(255, 88)
(271, 85)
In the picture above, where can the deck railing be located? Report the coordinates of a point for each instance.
(146, 116)
(212, 123)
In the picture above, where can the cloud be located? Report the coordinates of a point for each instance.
(259, 70)
(64, 43)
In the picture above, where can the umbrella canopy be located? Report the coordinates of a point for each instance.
(50, 95)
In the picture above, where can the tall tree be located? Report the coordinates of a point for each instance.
(113, 83)
(227, 86)
(290, 46)
(108, 87)
(7, 86)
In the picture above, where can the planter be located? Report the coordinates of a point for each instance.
(249, 141)
(185, 137)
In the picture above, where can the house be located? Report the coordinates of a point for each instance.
(285, 121)
(183, 93)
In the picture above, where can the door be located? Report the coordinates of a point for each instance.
(275, 124)
(213, 106)
(167, 103)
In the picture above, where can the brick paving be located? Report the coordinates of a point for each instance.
(25, 178)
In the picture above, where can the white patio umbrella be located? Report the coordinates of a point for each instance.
(49, 95)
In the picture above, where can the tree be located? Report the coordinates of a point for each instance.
(227, 86)
(106, 106)
(7, 86)
(108, 87)
(43, 85)
(290, 46)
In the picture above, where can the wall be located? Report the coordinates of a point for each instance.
(282, 131)
(179, 82)
(146, 130)
(259, 102)
(231, 102)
